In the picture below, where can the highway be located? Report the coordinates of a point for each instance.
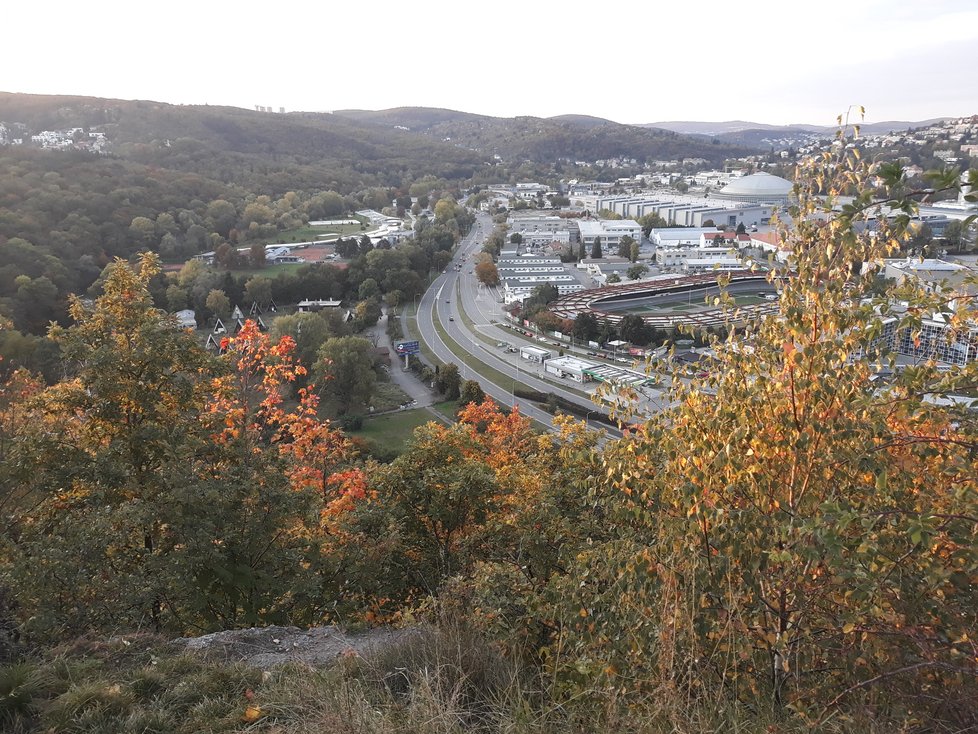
(440, 301)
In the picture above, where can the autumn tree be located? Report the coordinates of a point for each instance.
(166, 490)
(800, 532)
(487, 273)
(100, 456)
(218, 304)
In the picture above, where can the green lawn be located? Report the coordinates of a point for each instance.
(393, 430)
(447, 409)
(269, 271)
(311, 234)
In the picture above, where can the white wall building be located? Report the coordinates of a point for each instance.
(569, 367)
(679, 258)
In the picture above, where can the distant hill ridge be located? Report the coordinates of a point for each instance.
(690, 127)
(537, 139)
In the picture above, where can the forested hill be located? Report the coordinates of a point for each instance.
(271, 152)
(544, 140)
(177, 180)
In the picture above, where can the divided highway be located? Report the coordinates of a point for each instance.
(441, 301)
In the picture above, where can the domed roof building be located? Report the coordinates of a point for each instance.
(758, 188)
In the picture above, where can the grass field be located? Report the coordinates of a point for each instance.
(392, 431)
(269, 271)
(310, 234)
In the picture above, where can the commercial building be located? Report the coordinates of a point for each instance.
(610, 231)
(680, 236)
(696, 258)
(534, 354)
(538, 232)
(571, 367)
(702, 265)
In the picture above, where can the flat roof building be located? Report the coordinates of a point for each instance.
(534, 354)
(571, 367)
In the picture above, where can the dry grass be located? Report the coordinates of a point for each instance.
(438, 681)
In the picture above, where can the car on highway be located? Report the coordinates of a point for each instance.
(451, 318)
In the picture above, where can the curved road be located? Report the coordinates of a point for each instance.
(441, 298)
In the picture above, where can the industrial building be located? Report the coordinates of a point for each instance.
(519, 276)
(610, 231)
(697, 259)
(684, 210)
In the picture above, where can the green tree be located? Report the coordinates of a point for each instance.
(258, 290)
(471, 392)
(649, 222)
(633, 252)
(448, 382)
(955, 236)
(368, 289)
(585, 327)
(309, 331)
(218, 304)
(142, 230)
(221, 216)
(347, 366)
(596, 249)
(625, 246)
(634, 329)
(637, 271)
(177, 298)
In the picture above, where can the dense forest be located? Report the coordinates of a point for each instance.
(546, 140)
(184, 180)
(790, 546)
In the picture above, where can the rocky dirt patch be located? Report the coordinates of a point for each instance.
(264, 647)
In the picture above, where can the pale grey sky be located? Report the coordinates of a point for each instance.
(627, 60)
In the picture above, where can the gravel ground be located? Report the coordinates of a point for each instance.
(268, 646)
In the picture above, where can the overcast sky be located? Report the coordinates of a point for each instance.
(638, 61)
